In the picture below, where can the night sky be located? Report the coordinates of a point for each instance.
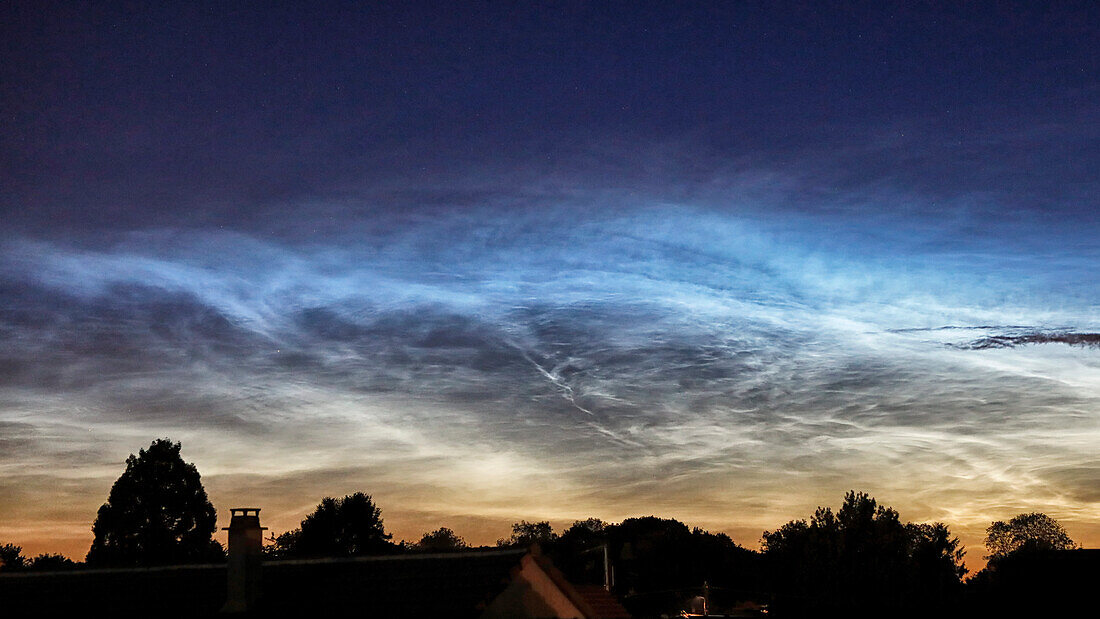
(488, 262)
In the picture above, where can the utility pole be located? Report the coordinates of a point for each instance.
(606, 568)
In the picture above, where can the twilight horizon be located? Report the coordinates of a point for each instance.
(718, 263)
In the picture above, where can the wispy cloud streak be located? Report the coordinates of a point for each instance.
(649, 358)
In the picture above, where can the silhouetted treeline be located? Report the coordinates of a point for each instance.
(862, 561)
(12, 560)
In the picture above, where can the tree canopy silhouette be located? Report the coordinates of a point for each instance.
(337, 528)
(441, 540)
(862, 560)
(157, 513)
(526, 533)
(11, 558)
(588, 526)
(1026, 532)
(583, 535)
(51, 562)
(1034, 569)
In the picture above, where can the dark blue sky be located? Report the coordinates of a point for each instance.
(693, 259)
(207, 113)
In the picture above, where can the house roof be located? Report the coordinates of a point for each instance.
(170, 591)
(429, 585)
(453, 585)
(602, 604)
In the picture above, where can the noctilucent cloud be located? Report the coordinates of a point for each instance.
(718, 262)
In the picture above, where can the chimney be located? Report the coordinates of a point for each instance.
(245, 560)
